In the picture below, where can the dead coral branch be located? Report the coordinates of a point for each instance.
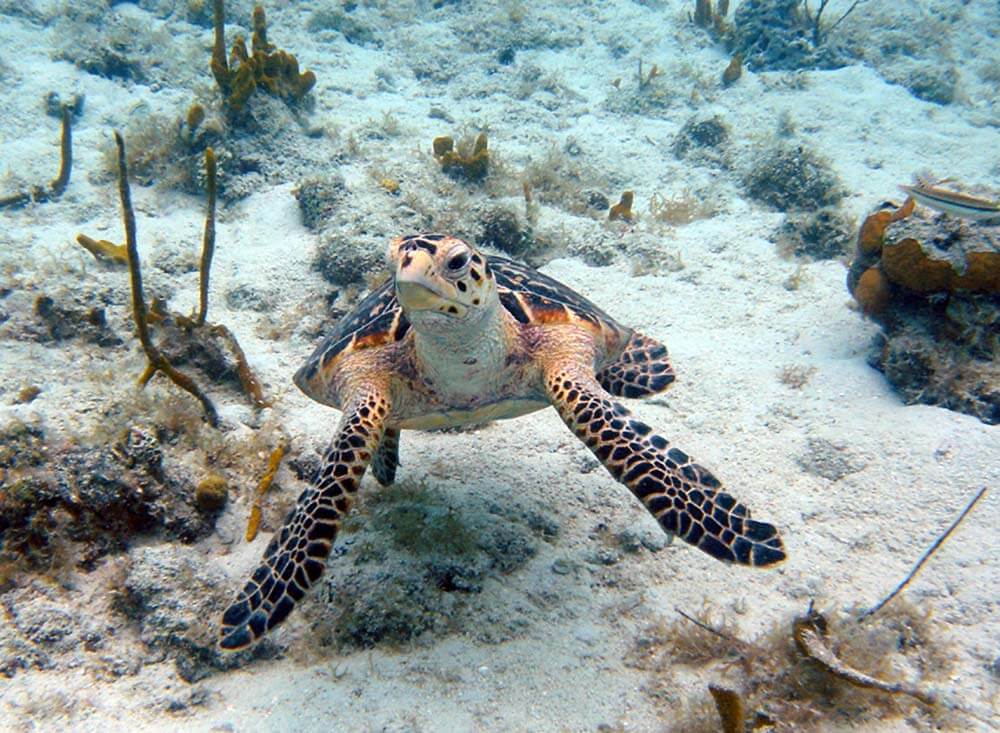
(809, 632)
(58, 186)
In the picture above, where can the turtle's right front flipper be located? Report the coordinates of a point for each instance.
(686, 499)
(296, 556)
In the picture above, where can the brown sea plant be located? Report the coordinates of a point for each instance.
(189, 333)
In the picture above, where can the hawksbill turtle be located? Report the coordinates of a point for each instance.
(454, 338)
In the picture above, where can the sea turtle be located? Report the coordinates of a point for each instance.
(457, 337)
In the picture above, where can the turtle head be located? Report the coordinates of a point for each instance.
(441, 279)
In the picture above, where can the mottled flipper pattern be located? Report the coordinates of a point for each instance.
(643, 369)
(296, 556)
(386, 459)
(684, 497)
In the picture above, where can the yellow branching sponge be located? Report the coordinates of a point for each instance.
(471, 165)
(263, 65)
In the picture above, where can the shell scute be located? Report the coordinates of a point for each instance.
(537, 299)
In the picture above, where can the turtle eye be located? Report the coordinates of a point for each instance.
(458, 262)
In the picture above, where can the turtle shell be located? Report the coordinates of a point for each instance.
(528, 295)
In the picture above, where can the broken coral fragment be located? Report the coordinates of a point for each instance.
(623, 209)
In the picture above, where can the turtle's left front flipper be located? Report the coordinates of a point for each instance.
(296, 556)
(684, 497)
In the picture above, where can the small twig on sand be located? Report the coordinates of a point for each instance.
(703, 625)
(926, 556)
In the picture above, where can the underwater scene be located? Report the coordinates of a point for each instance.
(447, 365)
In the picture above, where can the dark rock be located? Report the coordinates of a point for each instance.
(925, 364)
(792, 178)
(97, 497)
(61, 321)
(318, 198)
(245, 296)
(344, 261)
(416, 565)
(501, 229)
(930, 82)
(596, 201)
(776, 35)
(54, 105)
(175, 597)
(699, 134)
(353, 28)
(821, 235)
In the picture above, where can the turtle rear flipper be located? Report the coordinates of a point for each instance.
(643, 369)
(686, 499)
(296, 556)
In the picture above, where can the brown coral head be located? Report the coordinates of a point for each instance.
(872, 291)
(872, 230)
(906, 263)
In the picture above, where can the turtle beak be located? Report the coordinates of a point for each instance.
(416, 296)
(416, 287)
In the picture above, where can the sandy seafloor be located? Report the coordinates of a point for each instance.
(729, 317)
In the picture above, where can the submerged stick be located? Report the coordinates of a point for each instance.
(711, 630)
(926, 556)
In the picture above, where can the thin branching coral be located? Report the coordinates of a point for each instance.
(157, 362)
